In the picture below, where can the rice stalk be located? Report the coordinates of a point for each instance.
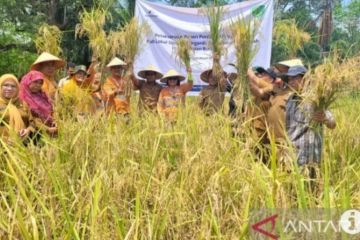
(184, 49)
(131, 39)
(329, 80)
(215, 14)
(91, 25)
(287, 33)
(243, 32)
(48, 39)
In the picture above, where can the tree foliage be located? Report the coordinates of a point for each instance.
(21, 21)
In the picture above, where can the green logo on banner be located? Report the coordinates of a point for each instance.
(259, 11)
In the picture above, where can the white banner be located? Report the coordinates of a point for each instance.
(169, 23)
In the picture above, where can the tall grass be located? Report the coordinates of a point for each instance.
(105, 179)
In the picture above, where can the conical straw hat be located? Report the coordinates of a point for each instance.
(116, 62)
(47, 57)
(150, 68)
(172, 74)
(204, 76)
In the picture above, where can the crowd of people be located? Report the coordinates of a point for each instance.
(277, 110)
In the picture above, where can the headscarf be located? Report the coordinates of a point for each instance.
(15, 120)
(39, 103)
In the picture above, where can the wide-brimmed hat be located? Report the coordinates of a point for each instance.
(116, 62)
(47, 57)
(150, 68)
(296, 70)
(81, 68)
(269, 71)
(172, 74)
(204, 76)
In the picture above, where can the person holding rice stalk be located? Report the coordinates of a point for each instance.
(262, 83)
(296, 119)
(47, 64)
(39, 103)
(172, 97)
(113, 89)
(149, 89)
(212, 96)
(76, 94)
(301, 118)
(15, 117)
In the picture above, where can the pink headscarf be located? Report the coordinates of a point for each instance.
(39, 103)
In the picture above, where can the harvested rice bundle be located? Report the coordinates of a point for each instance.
(215, 14)
(131, 38)
(184, 49)
(243, 33)
(323, 87)
(91, 25)
(48, 39)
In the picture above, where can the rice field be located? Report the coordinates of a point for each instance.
(105, 179)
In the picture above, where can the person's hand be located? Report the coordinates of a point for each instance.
(24, 132)
(255, 90)
(52, 130)
(252, 77)
(319, 117)
(250, 72)
(94, 58)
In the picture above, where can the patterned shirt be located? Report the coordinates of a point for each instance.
(306, 137)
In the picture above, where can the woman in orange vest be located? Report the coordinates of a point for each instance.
(114, 89)
(172, 97)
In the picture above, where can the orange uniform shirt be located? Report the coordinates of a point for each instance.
(171, 99)
(114, 94)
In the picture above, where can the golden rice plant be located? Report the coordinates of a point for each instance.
(243, 32)
(287, 33)
(48, 39)
(91, 25)
(183, 51)
(131, 38)
(215, 14)
(328, 80)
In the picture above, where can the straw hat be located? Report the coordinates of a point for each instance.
(116, 62)
(47, 57)
(172, 74)
(150, 68)
(291, 63)
(204, 76)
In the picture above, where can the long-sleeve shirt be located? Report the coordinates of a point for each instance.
(115, 98)
(149, 95)
(306, 138)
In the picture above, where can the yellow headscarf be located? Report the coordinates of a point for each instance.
(16, 122)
